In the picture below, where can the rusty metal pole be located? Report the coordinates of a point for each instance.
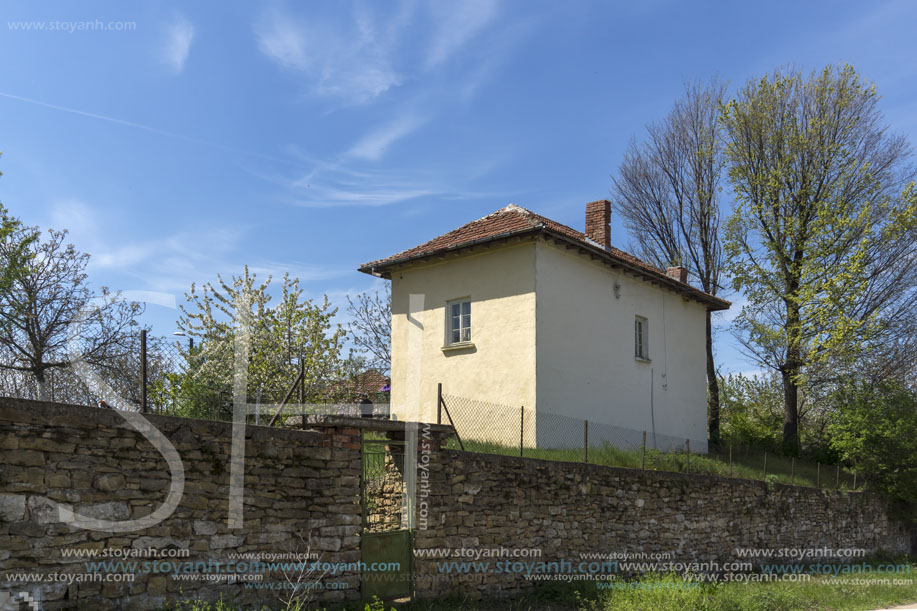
(143, 373)
(687, 455)
(521, 427)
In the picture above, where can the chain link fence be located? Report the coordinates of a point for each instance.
(163, 375)
(492, 428)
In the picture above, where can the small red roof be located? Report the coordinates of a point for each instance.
(514, 221)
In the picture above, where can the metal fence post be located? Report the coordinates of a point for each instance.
(643, 452)
(521, 427)
(302, 392)
(442, 404)
(585, 441)
(143, 373)
(439, 403)
(837, 478)
(793, 470)
(687, 454)
(854, 479)
(818, 475)
(730, 460)
(765, 466)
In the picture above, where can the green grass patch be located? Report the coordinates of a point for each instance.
(670, 593)
(745, 462)
(653, 593)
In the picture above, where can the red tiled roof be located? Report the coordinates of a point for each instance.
(514, 220)
(370, 381)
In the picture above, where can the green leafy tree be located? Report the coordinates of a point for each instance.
(294, 333)
(875, 431)
(751, 409)
(667, 190)
(14, 251)
(825, 204)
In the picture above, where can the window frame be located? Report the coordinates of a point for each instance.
(462, 316)
(641, 338)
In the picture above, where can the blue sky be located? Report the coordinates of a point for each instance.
(179, 140)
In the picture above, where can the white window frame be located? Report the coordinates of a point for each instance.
(464, 317)
(641, 338)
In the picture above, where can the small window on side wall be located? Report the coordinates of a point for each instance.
(641, 337)
(458, 321)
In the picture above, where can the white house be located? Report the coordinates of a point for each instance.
(519, 310)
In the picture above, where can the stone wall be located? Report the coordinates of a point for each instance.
(301, 497)
(567, 509)
(385, 490)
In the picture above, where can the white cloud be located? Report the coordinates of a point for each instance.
(123, 256)
(348, 181)
(368, 52)
(282, 40)
(333, 192)
(177, 44)
(455, 24)
(374, 144)
(76, 217)
(353, 62)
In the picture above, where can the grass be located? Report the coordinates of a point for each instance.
(659, 593)
(669, 593)
(746, 463)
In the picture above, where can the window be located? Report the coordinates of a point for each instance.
(458, 324)
(640, 338)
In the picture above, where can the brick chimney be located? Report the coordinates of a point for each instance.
(598, 220)
(677, 273)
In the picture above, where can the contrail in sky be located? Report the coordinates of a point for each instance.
(147, 128)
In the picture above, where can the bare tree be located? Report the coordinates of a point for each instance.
(667, 191)
(371, 326)
(302, 578)
(46, 297)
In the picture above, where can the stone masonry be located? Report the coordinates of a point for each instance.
(490, 502)
(301, 497)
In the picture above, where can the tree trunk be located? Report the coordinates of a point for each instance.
(713, 389)
(790, 374)
(42, 385)
(790, 411)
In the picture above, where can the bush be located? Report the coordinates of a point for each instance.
(875, 430)
(751, 409)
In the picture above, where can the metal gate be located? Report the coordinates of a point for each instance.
(386, 537)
